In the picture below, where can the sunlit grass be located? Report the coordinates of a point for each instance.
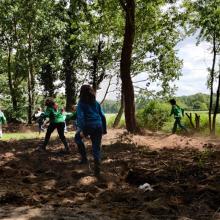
(110, 118)
(32, 135)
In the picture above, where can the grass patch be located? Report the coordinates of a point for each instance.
(32, 135)
(110, 118)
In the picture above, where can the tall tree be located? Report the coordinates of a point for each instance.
(12, 56)
(74, 12)
(128, 7)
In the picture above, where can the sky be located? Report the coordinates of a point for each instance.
(196, 60)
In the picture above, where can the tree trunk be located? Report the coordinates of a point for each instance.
(120, 113)
(31, 79)
(211, 83)
(125, 64)
(70, 78)
(190, 119)
(197, 120)
(216, 106)
(10, 84)
(97, 79)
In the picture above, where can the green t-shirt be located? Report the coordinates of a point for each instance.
(176, 111)
(55, 116)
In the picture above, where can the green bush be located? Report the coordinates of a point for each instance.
(154, 115)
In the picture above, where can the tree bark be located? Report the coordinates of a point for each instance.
(190, 119)
(211, 83)
(120, 113)
(31, 79)
(216, 106)
(197, 121)
(10, 83)
(125, 64)
(95, 60)
(70, 78)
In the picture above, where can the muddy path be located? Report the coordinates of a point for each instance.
(183, 172)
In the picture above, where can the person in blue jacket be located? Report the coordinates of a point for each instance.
(91, 122)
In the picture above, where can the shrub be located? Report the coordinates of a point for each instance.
(154, 115)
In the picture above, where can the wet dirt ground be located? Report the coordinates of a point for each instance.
(184, 173)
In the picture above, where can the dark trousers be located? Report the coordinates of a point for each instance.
(40, 127)
(178, 123)
(95, 135)
(60, 129)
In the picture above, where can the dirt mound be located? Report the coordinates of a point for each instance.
(184, 179)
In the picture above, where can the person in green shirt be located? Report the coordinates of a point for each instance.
(57, 121)
(178, 113)
(2, 121)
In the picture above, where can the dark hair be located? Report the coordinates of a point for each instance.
(49, 102)
(87, 94)
(172, 101)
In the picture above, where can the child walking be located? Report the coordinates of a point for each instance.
(91, 122)
(57, 120)
(37, 117)
(2, 121)
(178, 113)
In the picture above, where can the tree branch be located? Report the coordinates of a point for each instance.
(144, 80)
(106, 92)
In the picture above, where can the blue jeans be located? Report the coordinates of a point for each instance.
(95, 134)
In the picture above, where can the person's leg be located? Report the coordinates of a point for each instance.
(81, 147)
(65, 127)
(96, 138)
(60, 129)
(0, 130)
(39, 127)
(50, 129)
(175, 126)
(181, 125)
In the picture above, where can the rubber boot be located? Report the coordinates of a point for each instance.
(97, 168)
(66, 146)
(82, 151)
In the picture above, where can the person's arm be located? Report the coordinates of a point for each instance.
(104, 123)
(70, 115)
(80, 117)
